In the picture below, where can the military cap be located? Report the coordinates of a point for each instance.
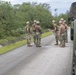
(37, 22)
(62, 19)
(34, 20)
(27, 22)
(53, 21)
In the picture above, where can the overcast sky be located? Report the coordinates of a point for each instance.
(61, 5)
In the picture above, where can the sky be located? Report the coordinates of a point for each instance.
(61, 5)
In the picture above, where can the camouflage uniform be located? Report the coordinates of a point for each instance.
(56, 35)
(66, 28)
(38, 34)
(62, 34)
(34, 31)
(28, 36)
(55, 32)
(62, 39)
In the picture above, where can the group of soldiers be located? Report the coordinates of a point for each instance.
(60, 32)
(36, 31)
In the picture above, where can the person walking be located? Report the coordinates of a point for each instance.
(38, 34)
(28, 36)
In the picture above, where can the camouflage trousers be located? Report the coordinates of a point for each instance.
(66, 38)
(62, 39)
(38, 39)
(28, 38)
(34, 37)
(56, 37)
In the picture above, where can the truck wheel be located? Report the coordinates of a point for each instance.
(72, 34)
(71, 37)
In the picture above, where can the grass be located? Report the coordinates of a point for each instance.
(18, 44)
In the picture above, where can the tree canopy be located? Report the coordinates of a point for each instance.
(13, 17)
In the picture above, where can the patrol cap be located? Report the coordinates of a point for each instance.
(37, 22)
(62, 19)
(27, 22)
(53, 21)
(60, 22)
(34, 20)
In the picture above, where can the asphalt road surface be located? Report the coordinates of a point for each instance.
(46, 60)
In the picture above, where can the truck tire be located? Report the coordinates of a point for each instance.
(72, 34)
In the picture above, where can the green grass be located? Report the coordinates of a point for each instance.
(18, 44)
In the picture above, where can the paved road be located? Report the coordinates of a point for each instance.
(47, 60)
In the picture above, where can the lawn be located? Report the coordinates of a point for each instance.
(19, 44)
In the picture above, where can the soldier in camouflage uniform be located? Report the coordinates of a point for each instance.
(55, 30)
(28, 36)
(34, 31)
(61, 34)
(38, 34)
(66, 28)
